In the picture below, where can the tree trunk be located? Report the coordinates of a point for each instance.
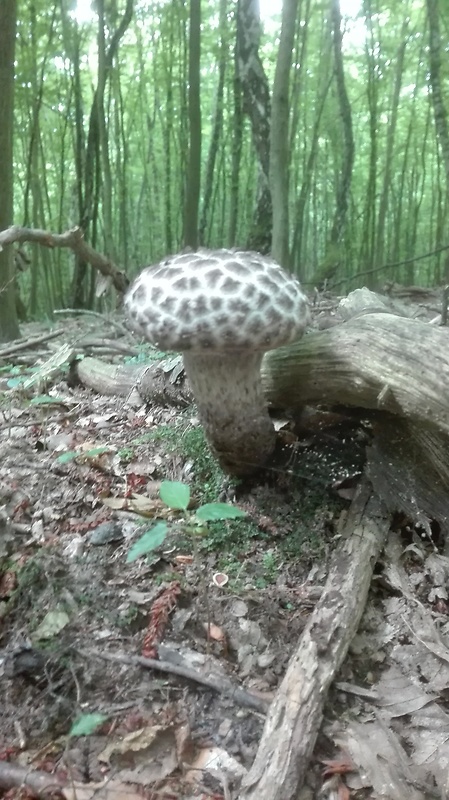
(389, 156)
(217, 125)
(344, 182)
(9, 328)
(192, 197)
(279, 143)
(92, 172)
(256, 104)
(439, 109)
(237, 141)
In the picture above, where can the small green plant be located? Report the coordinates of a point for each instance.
(176, 495)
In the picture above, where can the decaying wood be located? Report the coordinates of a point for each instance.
(74, 239)
(375, 361)
(295, 715)
(408, 465)
(28, 344)
(149, 381)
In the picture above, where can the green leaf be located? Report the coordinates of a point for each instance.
(65, 457)
(215, 511)
(46, 399)
(87, 724)
(51, 625)
(175, 494)
(94, 451)
(148, 541)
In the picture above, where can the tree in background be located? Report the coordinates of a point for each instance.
(253, 83)
(280, 156)
(192, 194)
(9, 328)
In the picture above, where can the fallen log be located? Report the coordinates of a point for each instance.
(296, 712)
(375, 361)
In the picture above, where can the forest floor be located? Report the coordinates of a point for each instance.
(80, 476)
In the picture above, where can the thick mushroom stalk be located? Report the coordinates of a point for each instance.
(232, 408)
(223, 309)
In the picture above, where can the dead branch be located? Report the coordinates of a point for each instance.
(41, 783)
(74, 239)
(296, 713)
(26, 344)
(217, 684)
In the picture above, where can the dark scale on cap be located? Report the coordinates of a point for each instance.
(200, 305)
(181, 284)
(139, 294)
(229, 286)
(273, 316)
(284, 301)
(204, 327)
(239, 305)
(168, 305)
(267, 283)
(156, 294)
(213, 277)
(230, 336)
(237, 269)
(263, 300)
(216, 303)
(255, 326)
(194, 283)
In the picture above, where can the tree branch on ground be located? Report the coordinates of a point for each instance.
(73, 239)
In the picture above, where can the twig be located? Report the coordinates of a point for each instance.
(74, 239)
(220, 685)
(41, 783)
(17, 348)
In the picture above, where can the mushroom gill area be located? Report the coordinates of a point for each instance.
(231, 407)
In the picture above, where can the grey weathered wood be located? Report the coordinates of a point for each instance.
(295, 715)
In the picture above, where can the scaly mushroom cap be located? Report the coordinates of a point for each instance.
(217, 300)
(222, 309)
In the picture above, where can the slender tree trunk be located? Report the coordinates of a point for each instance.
(192, 197)
(237, 141)
(344, 185)
(9, 328)
(279, 142)
(257, 105)
(389, 156)
(439, 109)
(366, 254)
(92, 157)
(217, 126)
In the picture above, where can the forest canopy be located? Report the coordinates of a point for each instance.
(317, 130)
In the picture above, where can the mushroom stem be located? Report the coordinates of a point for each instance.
(232, 409)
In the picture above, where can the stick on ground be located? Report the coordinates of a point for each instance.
(296, 713)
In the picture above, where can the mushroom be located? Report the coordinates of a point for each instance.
(223, 309)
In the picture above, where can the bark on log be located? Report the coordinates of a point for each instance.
(376, 361)
(295, 715)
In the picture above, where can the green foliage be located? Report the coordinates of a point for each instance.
(64, 458)
(143, 139)
(191, 443)
(151, 539)
(176, 496)
(87, 724)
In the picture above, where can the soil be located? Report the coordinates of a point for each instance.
(230, 600)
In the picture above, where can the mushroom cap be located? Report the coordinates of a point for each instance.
(212, 300)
